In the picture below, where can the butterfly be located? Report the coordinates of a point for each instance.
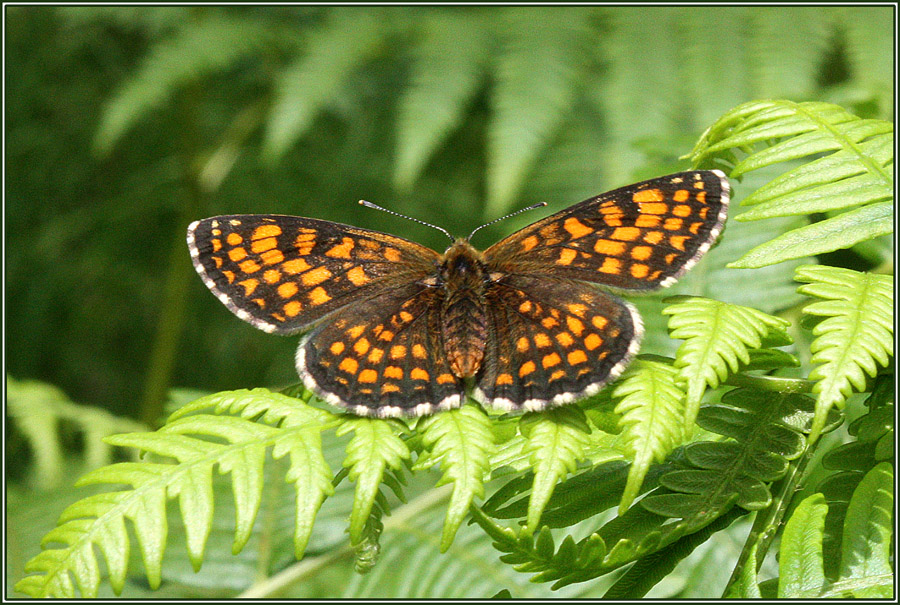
(393, 328)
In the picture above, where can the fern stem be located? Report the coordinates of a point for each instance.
(779, 384)
(303, 569)
(174, 298)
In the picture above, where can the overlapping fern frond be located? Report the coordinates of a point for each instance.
(856, 337)
(855, 178)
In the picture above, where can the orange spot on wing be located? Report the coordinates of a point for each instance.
(653, 237)
(565, 339)
(566, 256)
(576, 228)
(319, 296)
(357, 276)
(386, 335)
(356, 331)
(249, 286)
(342, 250)
(287, 289)
(681, 195)
(647, 195)
(349, 365)
(419, 374)
(375, 355)
(541, 340)
(681, 210)
(419, 352)
(525, 307)
(575, 325)
(392, 254)
(266, 231)
(368, 375)
(701, 197)
(641, 252)
(504, 379)
(671, 257)
(549, 322)
(526, 368)
(695, 227)
(576, 309)
(557, 375)
(271, 257)
(229, 275)
(599, 321)
(218, 262)
(609, 248)
(529, 242)
(292, 308)
(236, 254)
(234, 239)
(592, 341)
(336, 348)
(647, 221)
(445, 378)
(677, 241)
(393, 372)
(576, 357)
(654, 208)
(250, 266)
(522, 344)
(389, 388)
(627, 234)
(611, 265)
(261, 245)
(673, 224)
(315, 276)
(361, 347)
(260, 302)
(297, 265)
(272, 276)
(550, 360)
(398, 352)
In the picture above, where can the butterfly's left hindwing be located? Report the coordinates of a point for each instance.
(283, 273)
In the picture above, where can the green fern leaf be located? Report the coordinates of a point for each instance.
(717, 340)
(333, 52)
(460, 441)
(800, 564)
(652, 419)
(541, 64)
(556, 440)
(855, 338)
(374, 448)
(197, 50)
(868, 531)
(857, 176)
(449, 63)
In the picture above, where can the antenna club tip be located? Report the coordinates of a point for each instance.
(363, 202)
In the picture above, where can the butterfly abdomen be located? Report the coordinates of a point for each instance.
(463, 316)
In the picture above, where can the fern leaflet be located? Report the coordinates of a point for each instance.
(855, 338)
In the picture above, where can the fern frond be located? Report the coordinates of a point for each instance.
(200, 48)
(37, 408)
(855, 338)
(337, 49)
(800, 564)
(449, 63)
(461, 442)
(865, 571)
(197, 443)
(717, 340)
(543, 59)
(652, 419)
(556, 440)
(856, 176)
(374, 448)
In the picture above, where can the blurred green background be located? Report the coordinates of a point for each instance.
(125, 124)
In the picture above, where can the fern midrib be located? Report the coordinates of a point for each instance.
(181, 469)
(847, 144)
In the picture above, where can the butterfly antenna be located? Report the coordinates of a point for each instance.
(497, 220)
(415, 220)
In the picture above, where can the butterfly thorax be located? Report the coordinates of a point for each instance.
(463, 320)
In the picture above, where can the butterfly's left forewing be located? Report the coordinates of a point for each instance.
(284, 273)
(639, 237)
